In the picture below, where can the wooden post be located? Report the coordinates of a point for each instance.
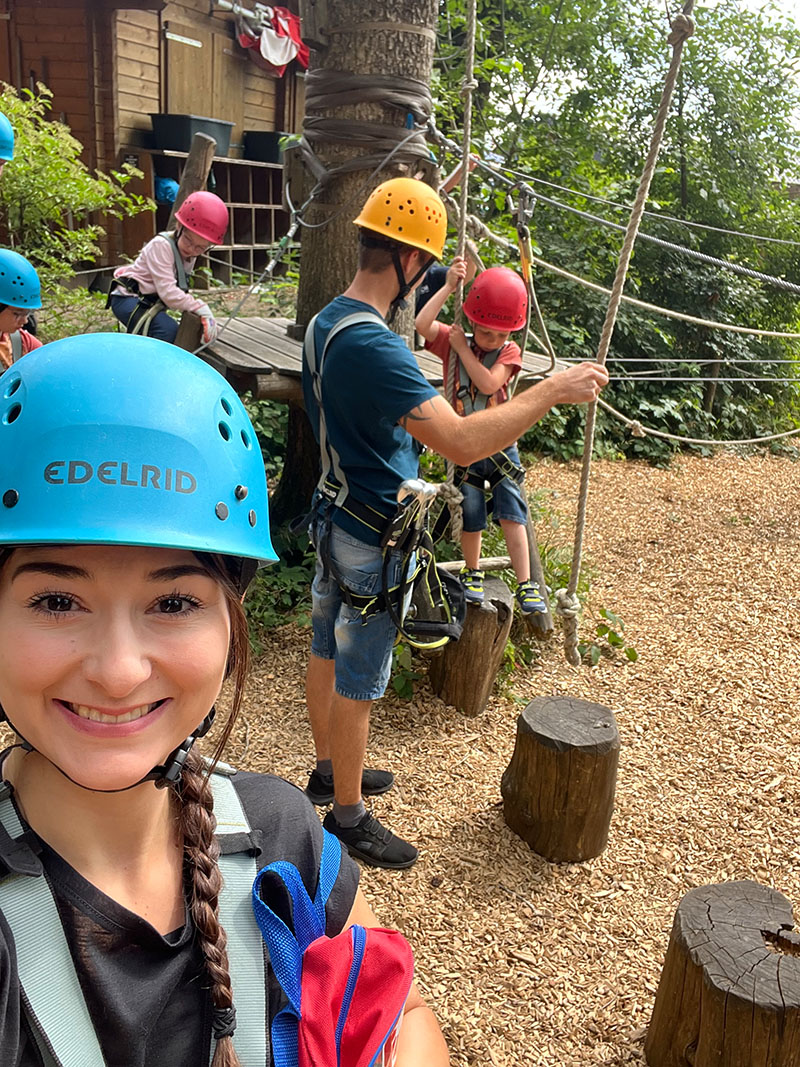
(464, 674)
(729, 994)
(558, 789)
(195, 171)
(190, 331)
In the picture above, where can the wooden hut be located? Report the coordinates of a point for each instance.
(112, 63)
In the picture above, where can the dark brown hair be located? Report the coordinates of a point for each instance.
(197, 824)
(375, 252)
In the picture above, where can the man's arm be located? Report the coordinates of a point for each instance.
(466, 439)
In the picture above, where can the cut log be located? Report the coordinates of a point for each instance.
(558, 789)
(729, 994)
(465, 672)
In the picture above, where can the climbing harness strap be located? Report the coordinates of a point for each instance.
(150, 305)
(468, 394)
(16, 345)
(51, 992)
(60, 1024)
(180, 271)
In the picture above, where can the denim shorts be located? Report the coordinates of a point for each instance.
(508, 501)
(361, 650)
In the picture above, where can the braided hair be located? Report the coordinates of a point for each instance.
(196, 824)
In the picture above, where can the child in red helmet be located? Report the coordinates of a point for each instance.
(497, 304)
(157, 279)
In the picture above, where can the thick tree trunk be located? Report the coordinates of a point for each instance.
(365, 37)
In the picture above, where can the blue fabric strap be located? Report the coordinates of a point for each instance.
(286, 947)
(61, 1022)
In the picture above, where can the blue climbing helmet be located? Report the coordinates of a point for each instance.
(19, 282)
(116, 439)
(6, 139)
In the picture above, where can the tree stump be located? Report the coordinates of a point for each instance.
(465, 672)
(558, 789)
(729, 994)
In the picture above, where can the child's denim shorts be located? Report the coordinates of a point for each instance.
(508, 501)
(362, 651)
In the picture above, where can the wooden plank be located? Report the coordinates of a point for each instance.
(145, 37)
(143, 19)
(127, 83)
(139, 69)
(227, 86)
(189, 71)
(137, 107)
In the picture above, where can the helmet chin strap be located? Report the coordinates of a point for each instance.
(405, 287)
(164, 775)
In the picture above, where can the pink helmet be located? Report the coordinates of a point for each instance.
(204, 214)
(498, 300)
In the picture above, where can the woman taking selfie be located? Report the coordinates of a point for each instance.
(133, 513)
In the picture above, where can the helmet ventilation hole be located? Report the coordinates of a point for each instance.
(226, 406)
(251, 518)
(246, 440)
(224, 431)
(13, 413)
(12, 387)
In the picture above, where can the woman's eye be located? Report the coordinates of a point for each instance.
(54, 604)
(175, 605)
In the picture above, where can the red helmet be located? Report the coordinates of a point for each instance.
(498, 300)
(204, 214)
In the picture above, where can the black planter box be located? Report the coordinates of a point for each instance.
(174, 133)
(263, 146)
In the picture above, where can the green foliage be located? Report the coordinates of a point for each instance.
(403, 673)
(72, 311)
(281, 593)
(567, 94)
(270, 420)
(608, 640)
(48, 198)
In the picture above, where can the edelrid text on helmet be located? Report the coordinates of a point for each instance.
(408, 211)
(204, 214)
(19, 282)
(116, 439)
(498, 300)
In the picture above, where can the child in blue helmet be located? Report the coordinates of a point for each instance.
(135, 511)
(20, 295)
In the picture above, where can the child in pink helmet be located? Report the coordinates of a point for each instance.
(158, 277)
(496, 306)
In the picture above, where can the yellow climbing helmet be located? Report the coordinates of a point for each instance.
(408, 211)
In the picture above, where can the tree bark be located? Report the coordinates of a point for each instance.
(730, 988)
(195, 171)
(328, 254)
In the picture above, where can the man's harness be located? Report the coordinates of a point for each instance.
(427, 604)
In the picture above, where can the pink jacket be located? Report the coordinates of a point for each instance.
(154, 270)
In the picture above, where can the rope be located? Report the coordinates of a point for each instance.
(714, 261)
(454, 366)
(639, 430)
(657, 214)
(568, 606)
(668, 312)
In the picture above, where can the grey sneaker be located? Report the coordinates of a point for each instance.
(372, 843)
(320, 786)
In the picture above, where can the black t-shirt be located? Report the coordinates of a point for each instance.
(147, 994)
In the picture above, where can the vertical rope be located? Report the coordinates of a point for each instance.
(454, 366)
(568, 604)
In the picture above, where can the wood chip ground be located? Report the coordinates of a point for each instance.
(526, 962)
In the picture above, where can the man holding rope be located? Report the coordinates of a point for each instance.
(371, 409)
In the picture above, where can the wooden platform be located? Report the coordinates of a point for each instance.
(256, 355)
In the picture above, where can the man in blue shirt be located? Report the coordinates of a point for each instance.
(378, 411)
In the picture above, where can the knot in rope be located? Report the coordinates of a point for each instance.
(469, 87)
(450, 494)
(452, 497)
(567, 604)
(682, 28)
(636, 428)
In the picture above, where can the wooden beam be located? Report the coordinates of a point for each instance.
(195, 171)
(277, 387)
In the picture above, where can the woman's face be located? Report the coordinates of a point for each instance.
(109, 656)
